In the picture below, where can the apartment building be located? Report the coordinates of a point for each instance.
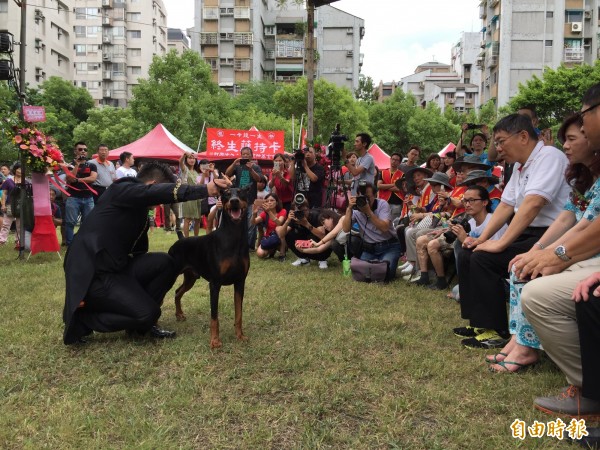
(49, 41)
(114, 42)
(521, 39)
(422, 83)
(253, 40)
(177, 40)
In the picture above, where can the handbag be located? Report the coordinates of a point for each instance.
(22, 208)
(368, 271)
(270, 242)
(429, 221)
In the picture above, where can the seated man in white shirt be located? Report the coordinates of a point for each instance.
(535, 195)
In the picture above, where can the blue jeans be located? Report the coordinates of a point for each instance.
(73, 207)
(385, 251)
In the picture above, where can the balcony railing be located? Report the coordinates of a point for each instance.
(209, 38)
(287, 78)
(574, 54)
(241, 12)
(210, 13)
(242, 38)
(243, 65)
(290, 49)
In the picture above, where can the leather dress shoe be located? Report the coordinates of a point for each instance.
(159, 333)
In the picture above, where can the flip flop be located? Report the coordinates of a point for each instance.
(520, 367)
(495, 360)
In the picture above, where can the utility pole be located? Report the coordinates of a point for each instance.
(310, 69)
(22, 55)
(310, 63)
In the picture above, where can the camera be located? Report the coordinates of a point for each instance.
(298, 155)
(299, 199)
(299, 214)
(244, 161)
(81, 158)
(450, 236)
(361, 195)
(335, 147)
(474, 126)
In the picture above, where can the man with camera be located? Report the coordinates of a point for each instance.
(373, 216)
(302, 225)
(308, 176)
(247, 173)
(81, 200)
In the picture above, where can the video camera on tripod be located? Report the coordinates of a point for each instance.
(335, 147)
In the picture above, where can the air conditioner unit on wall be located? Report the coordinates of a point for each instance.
(576, 27)
(587, 14)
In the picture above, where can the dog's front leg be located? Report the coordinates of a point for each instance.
(215, 288)
(239, 300)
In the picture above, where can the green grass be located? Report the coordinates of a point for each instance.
(330, 364)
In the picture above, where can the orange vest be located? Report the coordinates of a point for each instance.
(458, 192)
(388, 178)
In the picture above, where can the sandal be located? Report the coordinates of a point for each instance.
(503, 364)
(495, 360)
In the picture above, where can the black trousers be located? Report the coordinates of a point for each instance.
(481, 285)
(302, 234)
(129, 300)
(588, 322)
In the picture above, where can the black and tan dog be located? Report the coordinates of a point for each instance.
(221, 257)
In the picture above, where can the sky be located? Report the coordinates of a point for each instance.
(399, 34)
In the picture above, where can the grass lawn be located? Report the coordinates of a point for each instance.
(330, 364)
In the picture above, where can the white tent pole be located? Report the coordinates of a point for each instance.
(201, 135)
(300, 135)
(293, 131)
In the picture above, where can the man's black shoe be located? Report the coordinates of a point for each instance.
(159, 333)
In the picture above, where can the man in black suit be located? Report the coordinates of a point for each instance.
(112, 282)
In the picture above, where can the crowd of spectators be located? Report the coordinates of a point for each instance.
(427, 218)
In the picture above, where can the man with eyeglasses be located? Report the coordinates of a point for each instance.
(531, 201)
(81, 200)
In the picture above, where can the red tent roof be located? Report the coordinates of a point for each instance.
(382, 159)
(157, 144)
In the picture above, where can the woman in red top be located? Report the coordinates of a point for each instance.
(280, 182)
(272, 215)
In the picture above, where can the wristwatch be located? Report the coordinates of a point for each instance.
(561, 252)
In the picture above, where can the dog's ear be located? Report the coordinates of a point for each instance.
(243, 192)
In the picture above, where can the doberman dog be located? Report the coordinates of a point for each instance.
(221, 257)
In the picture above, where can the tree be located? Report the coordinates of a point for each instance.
(114, 127)
(557, 93)
(259, 95)
(9, 113)
(333, 105)
(431, 130)
(366, 90)
(389, 121)
(66, 107)
(180, 94)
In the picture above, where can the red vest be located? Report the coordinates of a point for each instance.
(388, 178)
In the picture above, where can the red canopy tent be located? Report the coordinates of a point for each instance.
(157, 144)
(382, 159)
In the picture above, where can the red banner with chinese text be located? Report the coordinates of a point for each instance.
(226, 144)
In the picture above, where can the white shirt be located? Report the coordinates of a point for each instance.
(542, 174)
(124, 172)
(477, 230)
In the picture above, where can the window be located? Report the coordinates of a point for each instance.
(134, 17)
(548, 43)
(118, 31)
(134, 52)
(93, 67)
(80, 50)
(549, 14)
(573, 16)
(80, 13)
(93, 31)
(80, 31)
(119, 86)
(135, 70)
(118, 69)
(134, 34)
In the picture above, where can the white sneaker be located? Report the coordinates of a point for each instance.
(323, 265)
(407, 270)
(403, 266)
(300, 262)
(412, 277)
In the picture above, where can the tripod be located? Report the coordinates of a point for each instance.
(335, 199)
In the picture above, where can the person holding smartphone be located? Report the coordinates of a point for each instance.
(272, 216)
(281, 181)
(208, 173)
(247, 173)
